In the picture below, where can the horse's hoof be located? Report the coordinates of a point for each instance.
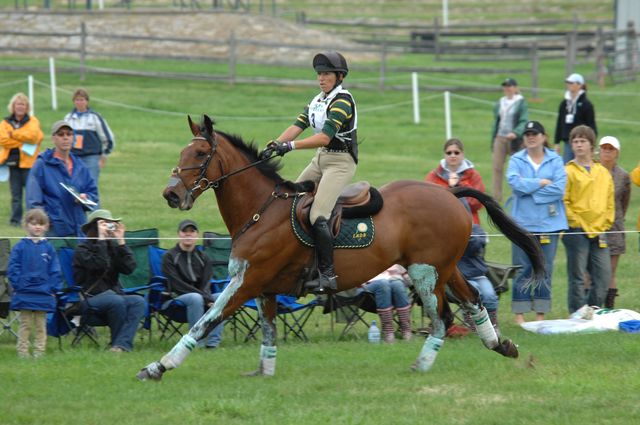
(507, 348)
(152, 372)
(253, 373)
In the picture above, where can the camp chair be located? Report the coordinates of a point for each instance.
(499, 275)
(139, 241)
(294, 315)
(349, 307)
(8, 318)
(170, 318)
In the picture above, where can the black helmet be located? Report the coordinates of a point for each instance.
(330, 61)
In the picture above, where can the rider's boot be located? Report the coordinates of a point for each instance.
(324, 249)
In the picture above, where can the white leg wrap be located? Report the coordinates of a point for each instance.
(485, 329)
(428, 354)
(268, 360)
(179, 352)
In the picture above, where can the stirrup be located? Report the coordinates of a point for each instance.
(321, 283)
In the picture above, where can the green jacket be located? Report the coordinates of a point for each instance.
(521, 118)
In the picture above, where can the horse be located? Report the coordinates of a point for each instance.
(421, 226)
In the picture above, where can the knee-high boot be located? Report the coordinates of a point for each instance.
(610, 300)
(324, 250)
(386, 322)
(404, 315)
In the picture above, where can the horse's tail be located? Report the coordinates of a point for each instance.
(516, 234)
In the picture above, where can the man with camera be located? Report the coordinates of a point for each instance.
(97, 263)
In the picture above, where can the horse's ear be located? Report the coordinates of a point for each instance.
(208, 124)
(195, 130)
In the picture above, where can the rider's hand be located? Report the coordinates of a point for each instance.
(268, 151)
(284, 147)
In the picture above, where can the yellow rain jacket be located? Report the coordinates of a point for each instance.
(30, 132)
(589, 198)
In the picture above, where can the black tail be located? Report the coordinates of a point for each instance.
(516, 234)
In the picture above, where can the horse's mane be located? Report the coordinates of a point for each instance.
(268, 168)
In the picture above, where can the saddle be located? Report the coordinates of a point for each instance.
(356, 200)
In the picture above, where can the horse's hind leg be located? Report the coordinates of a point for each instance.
(267, 307)
(469, 300)
(425, 278)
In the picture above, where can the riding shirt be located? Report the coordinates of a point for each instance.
(333, 114)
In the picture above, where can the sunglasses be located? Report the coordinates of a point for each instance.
(449, 153)
(64, 133)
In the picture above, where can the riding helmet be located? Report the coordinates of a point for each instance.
(330, 61)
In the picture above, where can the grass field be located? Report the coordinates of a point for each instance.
(559, 379)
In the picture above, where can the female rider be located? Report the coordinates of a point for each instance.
(332, 116)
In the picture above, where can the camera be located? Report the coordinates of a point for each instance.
(111, 226)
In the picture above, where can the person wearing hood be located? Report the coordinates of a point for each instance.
(510, 113)
(53, 168)
(456, 170)
(537, 178)
(575, 109)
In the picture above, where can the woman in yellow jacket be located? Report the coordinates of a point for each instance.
(20, 139)
(589, 204)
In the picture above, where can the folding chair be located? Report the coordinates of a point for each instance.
(499, 275)
(294, 316)
(8, 318)
(139, 241)
(349, 308)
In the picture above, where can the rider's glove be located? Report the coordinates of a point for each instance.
(284, 147)
(268, 151)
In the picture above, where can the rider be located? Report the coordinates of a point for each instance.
(332, 116)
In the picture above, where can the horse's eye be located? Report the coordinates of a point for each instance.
(201, 154)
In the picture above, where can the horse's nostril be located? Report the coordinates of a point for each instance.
(172, 199)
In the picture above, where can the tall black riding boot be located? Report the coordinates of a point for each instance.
(324, 250)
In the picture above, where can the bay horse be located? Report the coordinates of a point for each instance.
(421, 226)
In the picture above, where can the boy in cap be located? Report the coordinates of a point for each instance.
(188, 271)
(53, 168)
(609, 153)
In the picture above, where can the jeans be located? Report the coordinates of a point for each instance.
(567, 153)
(388, 293)
(585, 255)
(538, 298)
(17, 182)
(488, 294)
(122, 314)
(195, 309)
(92, 162)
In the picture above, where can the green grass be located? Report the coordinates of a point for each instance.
(576, 379)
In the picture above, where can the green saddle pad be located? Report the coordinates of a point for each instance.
(354, 232)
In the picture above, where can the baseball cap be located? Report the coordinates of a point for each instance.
(98, 215)
(610, 140)
(58, 125)
(574, 78)
(186, 223)
(509, 82)
(533, 127)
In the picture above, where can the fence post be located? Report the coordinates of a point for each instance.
(416, 97)
(232, 57)
(32, 100)
(83, 49)
(383, 64)
(570, 53)
(52, 79)
(535, 63)
(436, 37)
(632, 46)
(601, 70)
(447, 114)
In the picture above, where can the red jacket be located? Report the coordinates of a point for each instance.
(469, 177)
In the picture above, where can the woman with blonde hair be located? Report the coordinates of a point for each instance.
(20, 139)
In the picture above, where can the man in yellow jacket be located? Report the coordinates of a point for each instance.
(590, 207)
(20, 139)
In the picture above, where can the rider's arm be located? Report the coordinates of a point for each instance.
(339, 112)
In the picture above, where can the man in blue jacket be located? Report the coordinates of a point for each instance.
(45, 189)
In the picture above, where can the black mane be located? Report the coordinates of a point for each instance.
(268, 168)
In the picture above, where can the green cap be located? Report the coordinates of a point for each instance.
(98, 215)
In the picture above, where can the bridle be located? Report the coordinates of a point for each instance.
(202, 183)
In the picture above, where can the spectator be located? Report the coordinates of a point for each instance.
(20, 139)
(575, 109)
(474, 269)
(34, 274)
(589, 204)
(609, 152)
(537, 178)
(97, 264)
(510, 113)
(93, 140)
(44, 189)
(455, 170)
(332, 116)
(189, 271)
(390, 291)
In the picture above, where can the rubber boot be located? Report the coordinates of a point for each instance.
(493, 316)
(404, 315)
(324, 250)
(610, 300)
(386, 322)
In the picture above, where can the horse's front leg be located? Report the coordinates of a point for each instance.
(425, 278)
(211, 318)
(267, 309)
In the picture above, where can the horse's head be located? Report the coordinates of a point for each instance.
(192, 176)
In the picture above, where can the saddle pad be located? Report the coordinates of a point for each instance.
(354, 232)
